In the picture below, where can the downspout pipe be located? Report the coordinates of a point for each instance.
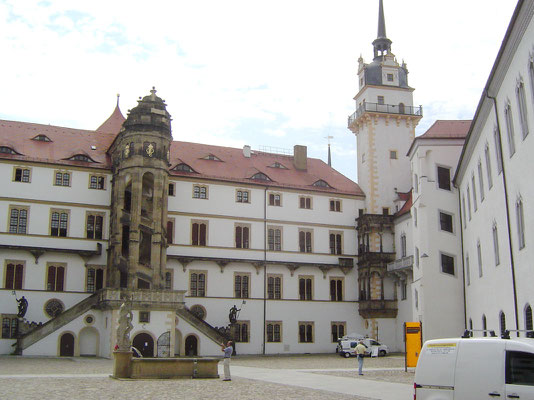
(264, 266)
(512, 265)
(462, 227)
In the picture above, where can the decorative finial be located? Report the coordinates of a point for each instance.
(118, 96)
(329, 155)
(153, 93)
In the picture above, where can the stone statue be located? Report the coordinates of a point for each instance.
(23, 307)
(124, 328)
(233, 314)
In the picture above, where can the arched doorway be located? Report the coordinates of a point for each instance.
(88, 342)
(164, 345)
(191, 346)
(145, 344)
(66, 345)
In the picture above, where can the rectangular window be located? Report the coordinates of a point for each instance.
(144, 317)
(498, 150)
(416, 298)
(488, 166)
(416, 183)
(18, 219)
(170, 231)
(274, 238)
(274, 332)
(306, 287)
(520, 370)
(21, 175)
(338, 330)
(520, 223)
(390, 77)
(336, 242)
(447, 264)
(445, 222)
(335, 205)
(275, 199)
(496, 245)
(404, 290)
(10, 325)
(14, 275)
(415, 217)
(403, 245)
(479, 256)
(168, 280)
(444, 178)
(200, 192)
(417, 257)
(59, 222)
(241, 285)
(97, 182)
(62, 178)
(467, 271)
(480, 181)
(305, 241)
(393, 154)
(197, 283)
(199, 233)
(305, 202)
(55, 278)
(469, 202)
(475, 205)
(243, 332)
(172, 190)
(385, 211)
(463, 209)
(336, 289)
(242, 236)
(242, 196)
(306, 332)
(509, 129)
(522, 103)
(95, 226)
(94, 279)
(274, 287)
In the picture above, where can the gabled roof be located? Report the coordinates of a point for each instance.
(407, 197)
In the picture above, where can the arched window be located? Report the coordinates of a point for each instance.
(502, 321)
(260, 177)
(147, 195)
(522, 102)
(401, 108)
(509, 128)
(528, 318)
(484, 324)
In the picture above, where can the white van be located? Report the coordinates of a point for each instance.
(346, 348)
(475, 368)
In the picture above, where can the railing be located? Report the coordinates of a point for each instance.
(401, 263)
(143, 296)
(385, 108)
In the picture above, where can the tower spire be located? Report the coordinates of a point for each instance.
(382, 45)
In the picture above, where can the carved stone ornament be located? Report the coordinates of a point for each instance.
(127, 150)
(150, 150)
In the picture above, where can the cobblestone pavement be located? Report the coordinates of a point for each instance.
(88, 378)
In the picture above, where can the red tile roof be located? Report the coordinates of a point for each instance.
(233, 167)
(114, 123)
(447, 129)
(407, 197)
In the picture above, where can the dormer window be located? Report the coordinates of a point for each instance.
(321, 183)
(277, 165)
(183, 167)
(81, 157)
(7, 150)
(260, 176)
(42, 138)
(390, 77)
(212, 158)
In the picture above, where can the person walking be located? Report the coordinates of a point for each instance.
(227, 355)
(360, 352)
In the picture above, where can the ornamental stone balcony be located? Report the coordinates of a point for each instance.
(378, 308)
(399, 109)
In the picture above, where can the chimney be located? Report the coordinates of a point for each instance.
(300, 157)
(246, 151)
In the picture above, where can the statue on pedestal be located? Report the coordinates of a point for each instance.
(23, 307)
(124, 328)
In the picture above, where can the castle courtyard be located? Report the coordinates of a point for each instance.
(271, 377)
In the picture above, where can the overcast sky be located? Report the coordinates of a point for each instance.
(263, 73)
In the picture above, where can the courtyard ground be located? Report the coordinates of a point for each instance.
(313, 377)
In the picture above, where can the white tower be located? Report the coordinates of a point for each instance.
(384, 124)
